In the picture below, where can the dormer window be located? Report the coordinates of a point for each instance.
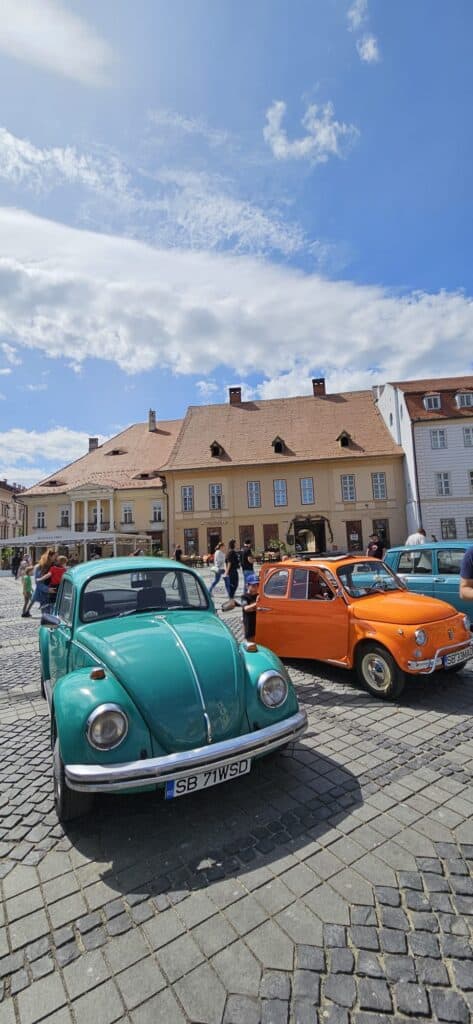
(117, 451)
(432, 402)
(278, 445)
(465, 399)
(146, 476)
(216, 450)
(54, 483)
(344, 439)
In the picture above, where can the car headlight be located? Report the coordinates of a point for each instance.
(107, 726)
(466, 622)
(420, 637)
(272, 689)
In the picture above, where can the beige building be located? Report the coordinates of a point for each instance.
(315, 472)
(110, 501)
(12, 512)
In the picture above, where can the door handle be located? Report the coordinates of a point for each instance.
(439, 579)
(262, 608)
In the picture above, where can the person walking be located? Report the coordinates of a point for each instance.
(416, 538)
(219, 565)
(375, 547)
(231, 569)
(41, 577)
(178, 553)
(27, 585)
(247, 560)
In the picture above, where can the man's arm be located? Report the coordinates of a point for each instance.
(466, 589)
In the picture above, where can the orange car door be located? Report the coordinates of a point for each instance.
(272, 622)
(319, 618)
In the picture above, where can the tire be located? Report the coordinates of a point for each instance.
(69, 804)
(378, 672)
(43, 691)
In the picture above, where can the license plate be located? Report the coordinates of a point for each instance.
(456, 657)
(205, 779)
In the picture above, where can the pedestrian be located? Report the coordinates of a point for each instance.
(15, 563)
(27, 584)
(375, 547)
(219, 565)
(247, 560)
(178, 553)
(41, 577)
(466, 576)
(55, 575)
(249, 605)
(25, 562)
(231, 569)
(416, 538)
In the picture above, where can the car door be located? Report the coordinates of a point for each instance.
(447, 577)
(319, 618)
(415, 567)
(273, 622)
(60, 635)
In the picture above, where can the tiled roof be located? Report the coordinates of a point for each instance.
(446, 387)
(309, 427)
(143, 451)
(434, 384)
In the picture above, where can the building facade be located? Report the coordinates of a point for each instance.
(12, 512)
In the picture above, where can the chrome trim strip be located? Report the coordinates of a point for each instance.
(109, 778)
(49, 692)
(426, 666)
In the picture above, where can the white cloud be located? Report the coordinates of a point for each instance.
(45, 34)
(74, 294)
(170, 120)
(25, 454)
(206, 388)
(325, 137)
(5, 371)
(34, 387)
(10, 354)
(40, 169)
(357, 14)
(368, 49)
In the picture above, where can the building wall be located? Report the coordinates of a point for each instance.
(392, 406)
(12, 514)
(456, 460)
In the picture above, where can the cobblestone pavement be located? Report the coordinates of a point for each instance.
(333, 885)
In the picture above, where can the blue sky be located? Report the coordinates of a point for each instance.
(194, 195)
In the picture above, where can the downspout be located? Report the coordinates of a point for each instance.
(416, 475)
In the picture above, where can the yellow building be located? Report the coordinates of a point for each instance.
(318, 472)
(12, 513)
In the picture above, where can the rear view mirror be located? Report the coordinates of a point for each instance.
(228, 606)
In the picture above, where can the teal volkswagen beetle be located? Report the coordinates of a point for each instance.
(148, 688)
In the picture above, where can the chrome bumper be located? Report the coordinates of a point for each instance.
(110, 778)
(429, 665)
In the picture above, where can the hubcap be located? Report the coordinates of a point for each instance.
(376, 671)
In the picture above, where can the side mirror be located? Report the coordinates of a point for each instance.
(48, 619)
(228, 606)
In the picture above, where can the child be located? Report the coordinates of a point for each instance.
(248, 602)
(56, 573)
(27, 584)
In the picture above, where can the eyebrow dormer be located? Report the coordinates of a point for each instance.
(278, 445)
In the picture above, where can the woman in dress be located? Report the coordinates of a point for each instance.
(231, 569)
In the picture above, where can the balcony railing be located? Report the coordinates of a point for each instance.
(91, 527)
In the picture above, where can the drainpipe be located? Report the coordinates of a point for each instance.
(416, 474)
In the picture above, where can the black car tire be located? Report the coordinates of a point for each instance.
(69, 804)
(378, 672)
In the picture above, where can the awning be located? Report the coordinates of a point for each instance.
(74, 537)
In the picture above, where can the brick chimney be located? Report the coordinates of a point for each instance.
(318, 386)
(235, 396)
(152, 420)
(93, 443)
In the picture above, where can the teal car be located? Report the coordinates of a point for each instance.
(147, 687)
(432, 568)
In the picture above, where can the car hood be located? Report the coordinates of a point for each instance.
(177, 668)
(403, 607)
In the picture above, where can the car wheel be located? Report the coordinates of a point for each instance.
(378, 671)
(43, 691)
(69, 804)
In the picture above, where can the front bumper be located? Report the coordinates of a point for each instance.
(116, 777)
(428, 665)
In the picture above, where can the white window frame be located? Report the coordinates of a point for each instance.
(442, 485)
(40, 519)
(447, 531)
(280, 493)
(253, 490)
(468, 437)
(215, 497)
(465, 399)
(127, 516)
(65, 515)
(438, 438)
(307, 490)
(157, 511)
(432, 402)
(187, 498)
(378, 484)
(348, 486)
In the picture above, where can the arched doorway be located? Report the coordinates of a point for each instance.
(309, 533)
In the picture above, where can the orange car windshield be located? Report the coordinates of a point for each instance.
(367, 577)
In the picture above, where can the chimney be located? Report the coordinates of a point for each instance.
(151, 420)
(235, 396)
(318, 385)
(93, 443)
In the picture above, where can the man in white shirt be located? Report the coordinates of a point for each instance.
(417, 538)
(219, 564)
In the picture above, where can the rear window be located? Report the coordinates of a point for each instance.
(449, 561)
(415, 563)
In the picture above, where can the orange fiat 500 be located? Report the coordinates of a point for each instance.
(354, 612)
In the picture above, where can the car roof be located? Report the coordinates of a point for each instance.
(436, 545)
(86, 571)
(327, 561)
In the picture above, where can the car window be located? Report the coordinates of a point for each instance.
(449, 561)
(276, 584)
(413, 563)
(367, 577)
(300, 579)
(64, 602)
(122, 593)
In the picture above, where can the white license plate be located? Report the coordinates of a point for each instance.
(205, 779)
(456, 657)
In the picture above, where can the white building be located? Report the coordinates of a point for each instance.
(433, 421)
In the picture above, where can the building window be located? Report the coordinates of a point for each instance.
(438, 438)
(348, 487)
(378, 483)
(157, 512)
(253, 488)
(469, 527)
(64, 519)
(40, 519)
(432, 402)
(465, 400)
(187, 499)
(191, 542)
(442, 481)
(280, 492)
(448, 529)
(215, 497)
(470, 477)
(307, 490)
(468, 437)
(127, 513)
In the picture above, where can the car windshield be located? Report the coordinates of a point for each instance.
(132, 592)
(367, 577)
